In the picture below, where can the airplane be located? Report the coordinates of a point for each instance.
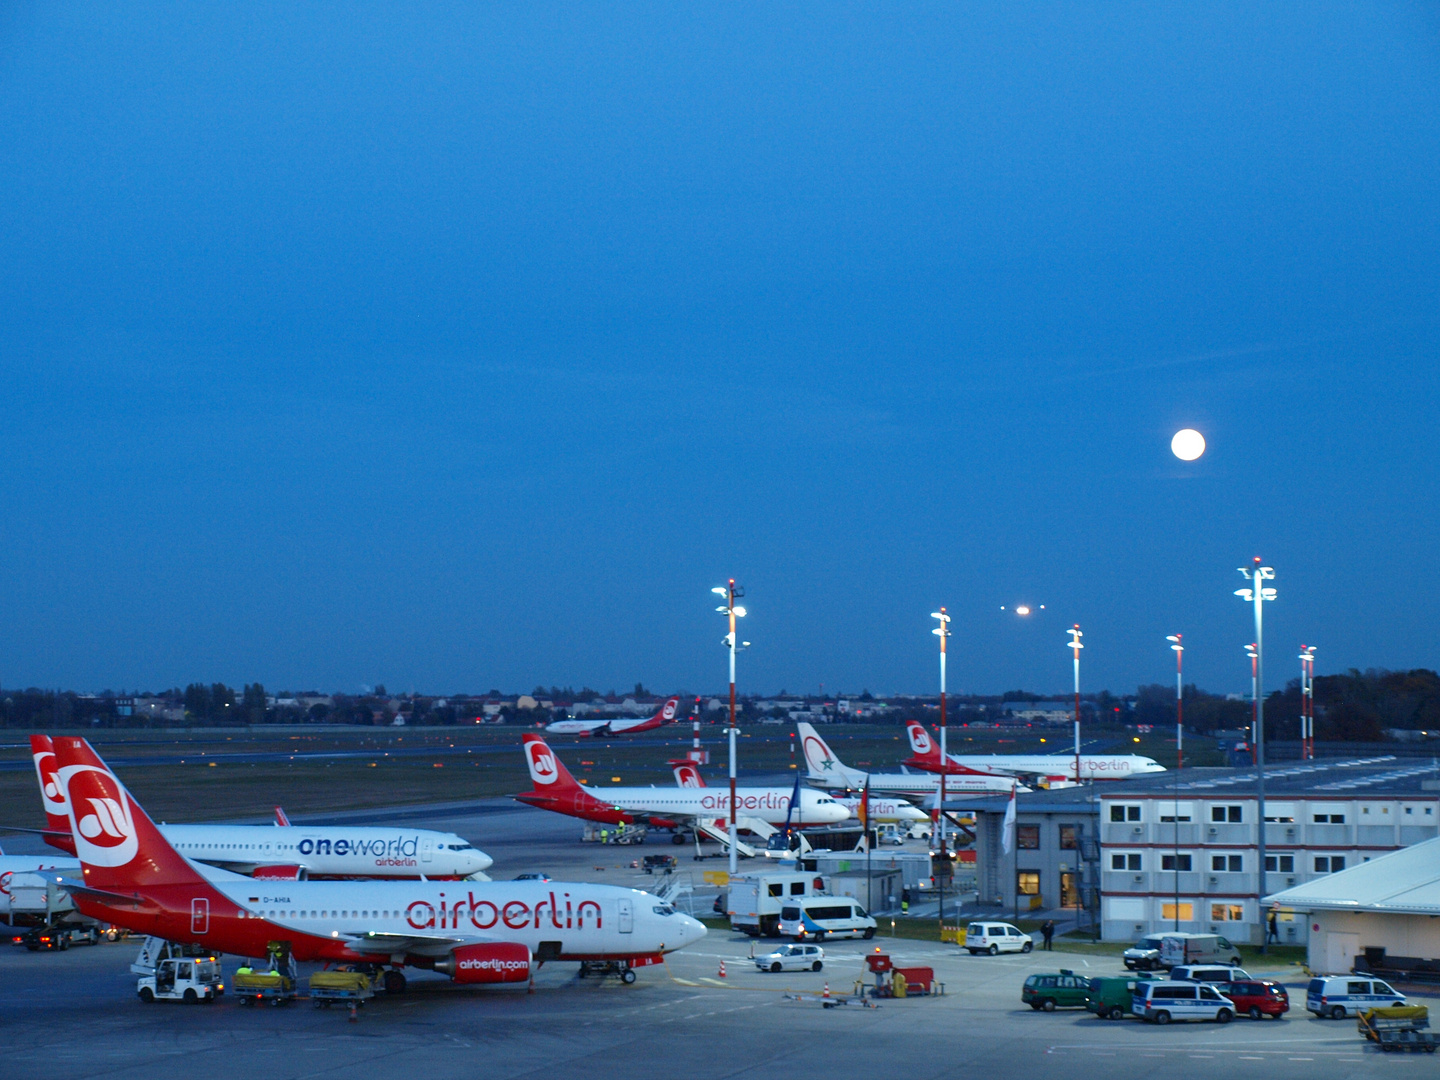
(15, 870)
(290, 851)
(881, 808)
(706, 810)
(474, 932)
(615, 725)
(1056, 768)
(826, 770)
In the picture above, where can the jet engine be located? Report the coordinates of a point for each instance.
(501, 962)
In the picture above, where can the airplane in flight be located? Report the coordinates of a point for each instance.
(824, 769)
(289, 851)
(706, 810)
(1053, 768)
(474, 932)
(616, 725)
(882, 809)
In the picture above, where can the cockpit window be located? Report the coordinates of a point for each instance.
(664, 909)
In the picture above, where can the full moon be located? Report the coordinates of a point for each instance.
(1187, 444)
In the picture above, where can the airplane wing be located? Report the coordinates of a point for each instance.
(380, 941)
(79, 888)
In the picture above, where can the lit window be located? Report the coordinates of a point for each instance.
(1183, 912)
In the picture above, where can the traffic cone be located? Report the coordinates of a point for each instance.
(722, 969)
(826, 995)
(354, 1013)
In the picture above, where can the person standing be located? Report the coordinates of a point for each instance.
(1047, 931)
(1272, 937)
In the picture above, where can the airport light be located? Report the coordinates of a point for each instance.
(1178, 646)
(732, 592)
(942, 632)
(1075, 647)
(1307, 702)
(1257, 594)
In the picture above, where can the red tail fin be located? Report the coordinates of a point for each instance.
(280, 817)
(118, 845)
(52, 794)
(548, 774)
(687, 775)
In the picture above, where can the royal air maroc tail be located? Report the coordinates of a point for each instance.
(481, 932)
(1053, 767)
(665, 715)
(290, 851)
(825, 769)
(553, 788)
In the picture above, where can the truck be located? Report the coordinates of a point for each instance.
(57, 937)
(183, 978)
(754, 900)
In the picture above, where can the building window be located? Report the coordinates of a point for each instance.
(1174, 862)
(1284, 864)
(1328, 864)
(1229, 814)
(1027, 882)
(1227, 913)
(1067, 838)
(1183, 912)
(1125, 860)
(1027, 837)
(1120, 812)
(1329, 819)
(1226, 864)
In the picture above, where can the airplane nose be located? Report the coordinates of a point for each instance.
(692, 930)
(483, 861)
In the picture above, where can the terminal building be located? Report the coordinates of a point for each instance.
(1180, 850)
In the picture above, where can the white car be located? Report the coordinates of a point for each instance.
(792, 958)
(996, 937)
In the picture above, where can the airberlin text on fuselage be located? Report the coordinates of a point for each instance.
(770, 800)
(565, 914)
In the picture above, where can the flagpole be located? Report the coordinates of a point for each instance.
(865, 832)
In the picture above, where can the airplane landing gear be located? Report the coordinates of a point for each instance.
(394, 982)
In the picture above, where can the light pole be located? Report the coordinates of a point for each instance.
(1254, 656)
(942, 632)
(1307, 701)
(1075, 646)
(731, 593)
(1179, 648)
(1257, 594)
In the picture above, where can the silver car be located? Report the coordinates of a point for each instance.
(792, 958)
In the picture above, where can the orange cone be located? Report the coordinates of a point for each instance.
(722, 969)
(827, 991)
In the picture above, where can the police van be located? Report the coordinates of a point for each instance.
(1161, 1002)
(1339, 996)
(817, 917)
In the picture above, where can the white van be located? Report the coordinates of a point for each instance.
(996, 937)
(1181, 948)
(1339, 996)
(818, 917)
(1161, 1002)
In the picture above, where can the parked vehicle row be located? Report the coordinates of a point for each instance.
(1161, 1000)
(1173, 950)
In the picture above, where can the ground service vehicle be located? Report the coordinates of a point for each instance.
(1144, 955)
(1161, 1002)
(1111, 997)
(1048, 992)
(1181, 948)
(346, 985)
(1338, 996)
(186, 979)
(754, 901)
(58, 938)
(1400, 1027)
(819, 917)
(792, 958)
(1199, 973)
(1259, 998)
(993, 937)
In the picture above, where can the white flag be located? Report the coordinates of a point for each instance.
(1008, 828)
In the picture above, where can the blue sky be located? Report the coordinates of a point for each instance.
(463, 348)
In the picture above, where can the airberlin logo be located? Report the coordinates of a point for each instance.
(50, 789)
(668, 712)
(99, 807)
(542, 763)
(919, 740)
(566, 913)
(494, 965)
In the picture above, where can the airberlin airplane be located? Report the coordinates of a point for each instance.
(881, 808)
(481, 932)
(824, 769)
(665, 808)
(1057, 767)
(666, 715)
(289, 851)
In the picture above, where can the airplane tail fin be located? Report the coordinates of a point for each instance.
(667, 712)
(821, 762)
(548, 774)
(52, 794)
(921, 745)
(281, 818)
(687, 775)
(118, 845)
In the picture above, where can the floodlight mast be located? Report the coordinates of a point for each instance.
(1179, 647)
(942, 632)
(1075, 646)
(1258, 594)
(732, 592)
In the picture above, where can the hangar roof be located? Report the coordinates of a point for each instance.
(1402, 882)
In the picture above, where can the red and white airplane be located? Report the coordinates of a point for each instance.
(288, 852)
(704, 809)
(825, 769)
(1056, 768)
(480, 932)
(617, 726)
(882, 808)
